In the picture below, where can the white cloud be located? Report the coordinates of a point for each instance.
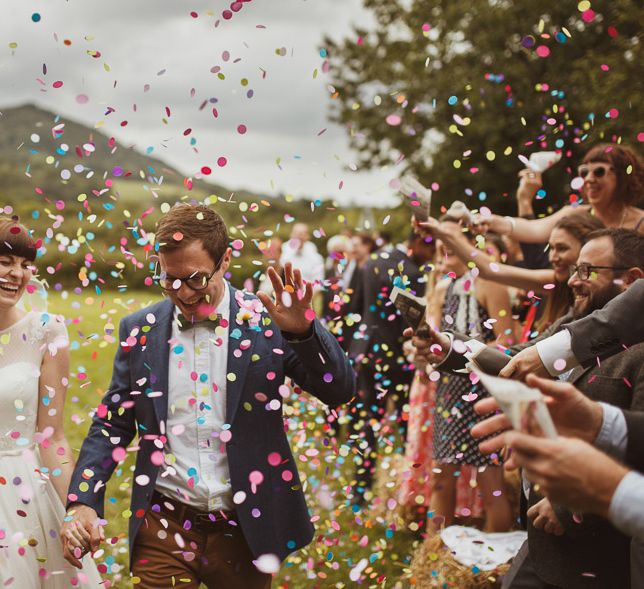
(139, 38)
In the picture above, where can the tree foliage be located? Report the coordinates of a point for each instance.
(460, 89)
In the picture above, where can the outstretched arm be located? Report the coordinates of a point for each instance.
(452, 235)
(526, 230)
(315, 360)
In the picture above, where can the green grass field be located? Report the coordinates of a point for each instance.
(345, 541)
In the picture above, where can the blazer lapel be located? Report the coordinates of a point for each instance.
(156, 357)
(237, 364)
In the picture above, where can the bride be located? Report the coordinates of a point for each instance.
(36, 461)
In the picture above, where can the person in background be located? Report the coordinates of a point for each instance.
(272, 250)
(300, 251)
(339, 257)
(415, 482)
(566, 239)
(377, 347)
(478, 306)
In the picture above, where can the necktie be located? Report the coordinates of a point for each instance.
(212, 322)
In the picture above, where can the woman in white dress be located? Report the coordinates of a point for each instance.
(36, 461)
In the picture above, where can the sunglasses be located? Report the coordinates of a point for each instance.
(598, 171)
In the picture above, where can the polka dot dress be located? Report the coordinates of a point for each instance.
(456, 395)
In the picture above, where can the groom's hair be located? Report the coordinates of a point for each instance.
(15, 239)
(186, 223)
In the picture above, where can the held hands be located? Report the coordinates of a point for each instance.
(291, 311)
(83, 533)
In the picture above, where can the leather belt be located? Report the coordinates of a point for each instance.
(187, 516)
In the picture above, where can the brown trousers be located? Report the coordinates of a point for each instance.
(165, 555)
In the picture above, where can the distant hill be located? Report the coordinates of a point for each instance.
(29, 135)
(93, 200)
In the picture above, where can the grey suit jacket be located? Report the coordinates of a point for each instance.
(605, 332)
(590, 544)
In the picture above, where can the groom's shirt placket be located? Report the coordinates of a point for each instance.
(198, 472)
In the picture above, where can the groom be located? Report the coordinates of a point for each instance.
(199, 377)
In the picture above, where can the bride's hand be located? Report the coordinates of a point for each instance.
(81, 533)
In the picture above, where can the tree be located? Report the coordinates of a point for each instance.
(460, 89)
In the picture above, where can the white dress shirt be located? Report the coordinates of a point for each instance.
(625, 511)
(196, 467)
(556, 353)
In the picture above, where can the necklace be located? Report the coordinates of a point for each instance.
(621, 223)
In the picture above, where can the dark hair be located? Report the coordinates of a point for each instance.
(628, 246)
(15, 240)
(367, 239)
(186, 223)
(497, 241)
(630, 182)
(581, 226)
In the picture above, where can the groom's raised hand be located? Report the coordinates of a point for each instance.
(291, 310)
(81, 533)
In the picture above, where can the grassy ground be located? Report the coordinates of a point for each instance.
(349, 549)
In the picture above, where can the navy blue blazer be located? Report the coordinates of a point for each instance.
(275, 518)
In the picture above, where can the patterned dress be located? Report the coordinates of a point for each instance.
(455, 396)
(415, 484)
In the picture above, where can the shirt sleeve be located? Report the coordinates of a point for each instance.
(613, 435)
(555, 348)
(625, 510)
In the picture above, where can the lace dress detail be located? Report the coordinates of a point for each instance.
(31, 512)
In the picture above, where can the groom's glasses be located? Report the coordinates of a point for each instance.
(195, 281)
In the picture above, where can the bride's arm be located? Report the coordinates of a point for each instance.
(55, 451)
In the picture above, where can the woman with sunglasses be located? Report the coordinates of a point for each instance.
(613, 183)
(36, 461)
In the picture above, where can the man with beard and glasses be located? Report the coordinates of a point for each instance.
(564, 549)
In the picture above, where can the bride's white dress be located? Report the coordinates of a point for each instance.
(31, 513)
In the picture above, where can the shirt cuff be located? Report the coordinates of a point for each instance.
(556, 353)
(625, 511)
(613, 435)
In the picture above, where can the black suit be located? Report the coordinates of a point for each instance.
(377, 347)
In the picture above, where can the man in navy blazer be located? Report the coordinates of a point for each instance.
(215, 486)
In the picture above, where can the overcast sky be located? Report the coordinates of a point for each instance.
(159, 44)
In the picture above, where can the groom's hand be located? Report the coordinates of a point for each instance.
(81, 533)
(291, 310)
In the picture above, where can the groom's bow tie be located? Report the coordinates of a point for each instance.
(212, 322)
